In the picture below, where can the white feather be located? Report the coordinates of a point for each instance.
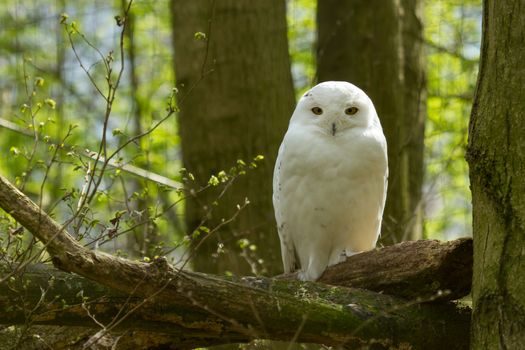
(330, 179)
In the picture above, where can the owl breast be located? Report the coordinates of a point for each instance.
(331, 193)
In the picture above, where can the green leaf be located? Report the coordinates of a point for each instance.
(117, 132)
(63, 17)
(50, 102)
(39, 81)
(199, 36)
(213, 181)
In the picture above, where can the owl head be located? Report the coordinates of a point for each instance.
(335, 106)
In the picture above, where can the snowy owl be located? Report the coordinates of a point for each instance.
(330, 179)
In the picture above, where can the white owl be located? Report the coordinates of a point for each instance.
(330, 179)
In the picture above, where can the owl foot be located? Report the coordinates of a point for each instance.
(310, 274)
(348, 252)
(337, 258)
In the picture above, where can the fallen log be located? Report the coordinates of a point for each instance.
(200, 310)
(413, 269)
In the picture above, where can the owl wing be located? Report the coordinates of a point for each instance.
(287, 246)
(382, 208)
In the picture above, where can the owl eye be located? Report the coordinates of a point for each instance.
(317, 110)
(351, 110)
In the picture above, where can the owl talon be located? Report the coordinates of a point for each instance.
(308, 276)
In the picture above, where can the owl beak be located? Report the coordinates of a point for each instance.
(334, 129)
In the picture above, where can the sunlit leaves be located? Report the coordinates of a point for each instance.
(452, 34)
(39, 81)
(117, 132)
(14, 151)
(214, 181)
(301, 37)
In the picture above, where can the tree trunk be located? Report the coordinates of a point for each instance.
(379, 49)
(236, 97)
(496, 157)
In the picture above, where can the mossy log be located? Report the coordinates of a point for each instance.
(194, 310)
(199, 309)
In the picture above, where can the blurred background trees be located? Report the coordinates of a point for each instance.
(229, 63)
(236, 97)
(381, 51)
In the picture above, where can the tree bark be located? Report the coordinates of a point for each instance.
(379, 49)
(201, 309)
(417, 269)
(236, 99)
(496, 157)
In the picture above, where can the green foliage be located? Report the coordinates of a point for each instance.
(56, 91)
(301, 37)
(452, 35)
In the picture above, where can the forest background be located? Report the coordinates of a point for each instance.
(121, 130)
(45, 92)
